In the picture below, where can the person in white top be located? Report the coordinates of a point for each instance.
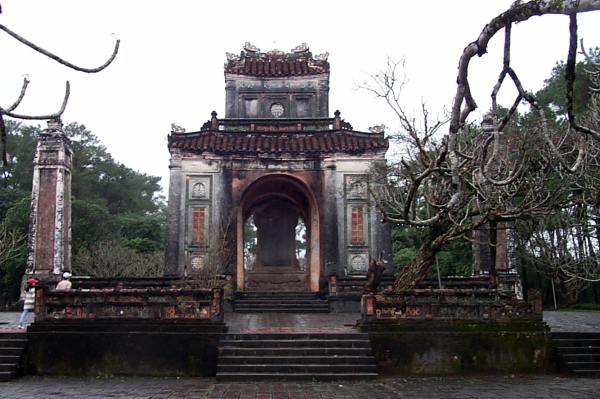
(65, 284)
(29, 300)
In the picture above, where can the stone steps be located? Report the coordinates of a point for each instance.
(280, 302)
(579, 352)
(12, 348)
(296, 357)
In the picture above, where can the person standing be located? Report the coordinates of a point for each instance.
(29, 300)
(65, 284)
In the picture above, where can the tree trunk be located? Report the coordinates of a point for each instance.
(420, 264)
(525, 283)
(493, 242)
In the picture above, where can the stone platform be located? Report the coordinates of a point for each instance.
(559, 321)
(278, 323)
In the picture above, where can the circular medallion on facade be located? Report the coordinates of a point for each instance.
(197, 263)
(358, 264)
(199, 190)
(277, 110)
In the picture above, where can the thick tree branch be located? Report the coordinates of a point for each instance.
(43, 117)
(570, 80)
(20, 98)
(60, 60)
(3, 134)
(9, 111)
(519, 13)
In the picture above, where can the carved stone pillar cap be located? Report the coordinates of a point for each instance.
(488, 123)
(54, 126)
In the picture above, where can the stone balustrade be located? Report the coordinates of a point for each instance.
(478, 305)
(130, 303)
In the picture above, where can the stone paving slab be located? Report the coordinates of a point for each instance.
(484, 387)
(510, 387)
(291, 322)
(560, 321)
(10, 320)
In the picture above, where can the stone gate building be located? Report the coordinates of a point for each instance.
(279, 160)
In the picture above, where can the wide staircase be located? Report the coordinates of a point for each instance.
(296, 357)
(12, 348)
(578, 352)
(280, 302)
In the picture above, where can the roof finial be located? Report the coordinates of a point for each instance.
(251, 48)
(275, 45)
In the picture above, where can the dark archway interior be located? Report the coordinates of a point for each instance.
(276, 207)
(276, 221)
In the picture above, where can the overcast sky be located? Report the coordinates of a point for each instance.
(170, 65)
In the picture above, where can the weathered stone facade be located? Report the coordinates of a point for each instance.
(49, 243)
(279, 159)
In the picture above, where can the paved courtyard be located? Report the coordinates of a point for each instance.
(484, 387)
(513, 387)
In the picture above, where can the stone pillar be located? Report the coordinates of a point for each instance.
(49, 241)
(332, 249)
(323, 98)
(231, 99)
(172, 248)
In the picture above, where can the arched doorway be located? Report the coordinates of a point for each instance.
(279, 206)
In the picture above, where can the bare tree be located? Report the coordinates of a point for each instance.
(9, 111)
(563, 246)
(109, 259)
(475, 176)
(10, 243)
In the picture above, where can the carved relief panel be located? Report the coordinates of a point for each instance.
(356, 224)
(197, 263)
(199, 188)
(198, 218)
(355, 187)
(358, 262)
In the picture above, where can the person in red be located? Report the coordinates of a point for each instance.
(29, 300)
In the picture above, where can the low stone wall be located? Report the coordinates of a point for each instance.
(345, 292)
(130, 303)
(152, 329)
(449, 304)
(454, 331)
(110, 350)
(513, 349)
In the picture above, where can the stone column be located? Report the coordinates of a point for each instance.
(323, 98)
(231, 99)
(174, 211)
(49, 241)
(332, 250)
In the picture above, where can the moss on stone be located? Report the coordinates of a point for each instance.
(516, 325)
(441, 353)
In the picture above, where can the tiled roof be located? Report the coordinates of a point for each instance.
(254, 143)
(299, 62)
(276, 67)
